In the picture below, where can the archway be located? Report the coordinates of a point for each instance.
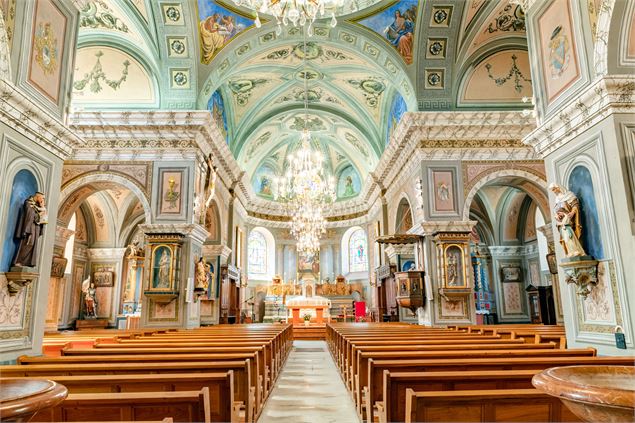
(101, 214)
(508, 250)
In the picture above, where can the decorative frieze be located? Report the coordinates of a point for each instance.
(26, 116)
(607, 95)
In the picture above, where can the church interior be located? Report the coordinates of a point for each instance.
(317, 210)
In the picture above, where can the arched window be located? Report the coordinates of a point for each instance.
(257, 253)
(358, 252)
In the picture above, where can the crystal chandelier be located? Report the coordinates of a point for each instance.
(306, 189)
(296, 12)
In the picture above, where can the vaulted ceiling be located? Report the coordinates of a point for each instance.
(360, 75)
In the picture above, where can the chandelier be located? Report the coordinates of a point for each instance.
(306, 189)
(296, 12)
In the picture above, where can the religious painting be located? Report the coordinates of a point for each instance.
(58, 267)
(217, 26)
(309, 263)
(396, 24)
(103, 278)
(162, 268)
(397, 109)
(263, 180)
(216, 105)
(559, 56)
(408, 265)
(534, 273)
(512, 300)
(171, 192)
(511, 273)
(453, 307)
(47, 49)
(348, 183)
(454, 267)
(442, 188)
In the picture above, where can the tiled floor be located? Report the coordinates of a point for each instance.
(309, 389)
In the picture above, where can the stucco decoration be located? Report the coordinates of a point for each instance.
(503, 77)
(508, 19)
(105, 75)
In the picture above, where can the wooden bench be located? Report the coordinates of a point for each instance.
(244, 391)
(518, 405)
(376, 368)
(362, 377)
(220, 387)
(183, 406)
(392, 407)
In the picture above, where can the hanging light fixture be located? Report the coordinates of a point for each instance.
(294, 12)
(305, 188)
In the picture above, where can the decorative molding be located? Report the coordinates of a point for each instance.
(431, 228)
(606, 96)
(106, 253)
(26, 116)
(194, 231)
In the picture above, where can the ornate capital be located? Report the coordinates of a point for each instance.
(193, 231)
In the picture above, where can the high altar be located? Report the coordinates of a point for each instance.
(336, 299)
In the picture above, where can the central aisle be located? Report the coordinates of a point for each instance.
(309, 389)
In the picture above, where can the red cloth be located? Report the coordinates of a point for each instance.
(360, 309)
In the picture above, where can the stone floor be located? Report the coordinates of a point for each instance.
(309, 389)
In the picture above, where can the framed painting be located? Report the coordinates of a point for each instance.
(443, 192)
(170, 191)
(558, 48)
(47, 49)
(58, 267)
(454, 266)
(103, 278)
(512, 300)
(162, 275)
(453, 308)
(552, 263)
(511, 273)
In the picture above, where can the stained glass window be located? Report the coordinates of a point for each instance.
(257, 253)
(357, 251)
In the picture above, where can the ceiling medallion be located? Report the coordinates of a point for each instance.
(294, 12)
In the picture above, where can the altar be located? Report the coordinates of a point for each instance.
(316, 308)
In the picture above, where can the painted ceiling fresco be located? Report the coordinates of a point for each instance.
(357, 79)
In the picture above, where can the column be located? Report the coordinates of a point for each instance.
(57, 295)
(279, 260)
(337, 260)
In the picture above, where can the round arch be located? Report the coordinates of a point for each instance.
(403, 213)
(495, 174)
(82, 187)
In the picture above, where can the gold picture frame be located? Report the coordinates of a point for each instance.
(454, 269)
(162, 266)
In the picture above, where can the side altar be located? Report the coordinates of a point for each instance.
(279, 296)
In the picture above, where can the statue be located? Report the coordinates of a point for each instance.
(164, 271)
(201, 271)
(210, 181)
(90, 301)
(134, 249)
(30, 227)
(567, 215)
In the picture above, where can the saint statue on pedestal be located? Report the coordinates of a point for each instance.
(30, 227)
(567, 216)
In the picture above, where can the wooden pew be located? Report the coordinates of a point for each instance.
(392, 408)
(362, 376)
(244, 390)
(182, 406)
(220, 387)
(257, 372)
(518, 405)
(376, 368)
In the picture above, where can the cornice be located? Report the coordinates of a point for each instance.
(432, 227)
(216, 250)
(194, 231)
(606, 96)
(27, 117)
(106, 253)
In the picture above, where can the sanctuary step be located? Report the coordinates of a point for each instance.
(313, 332)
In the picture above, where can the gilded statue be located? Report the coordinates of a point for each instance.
(201, 272)
(90, 298)
(567, 215)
